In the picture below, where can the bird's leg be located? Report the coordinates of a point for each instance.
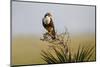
(49, 33)
(45, 34)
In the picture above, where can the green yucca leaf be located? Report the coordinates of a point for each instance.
(70, 57)
(49, 57)
(63, 54)
(59, 55)
(89, 53)
(76, 56)
(83, 54)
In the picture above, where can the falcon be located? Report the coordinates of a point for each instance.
(47, 23)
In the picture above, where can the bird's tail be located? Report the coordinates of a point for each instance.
(53, 34)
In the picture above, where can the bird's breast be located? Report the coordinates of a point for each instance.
(47, 20)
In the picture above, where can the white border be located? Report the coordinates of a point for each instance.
(5, 33)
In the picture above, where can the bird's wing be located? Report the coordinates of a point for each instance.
(52, 24)
(43, 23)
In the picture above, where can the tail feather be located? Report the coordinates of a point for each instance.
(53, 34)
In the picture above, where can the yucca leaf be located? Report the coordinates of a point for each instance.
(90, 53)
(63, 54)
(59, 55)
(49, 56)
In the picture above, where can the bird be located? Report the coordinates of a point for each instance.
(48, 24)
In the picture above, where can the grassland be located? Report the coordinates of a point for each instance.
(27, 49)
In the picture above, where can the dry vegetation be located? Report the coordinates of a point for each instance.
(31, 50)
(61, 53)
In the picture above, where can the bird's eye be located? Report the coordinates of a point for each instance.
(45, 15)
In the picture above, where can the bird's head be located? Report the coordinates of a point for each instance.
(48, 14)
(47, 18)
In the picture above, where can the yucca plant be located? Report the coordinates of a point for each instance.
(58, 57)
(61, 52)
(83, 54)
(60, 49)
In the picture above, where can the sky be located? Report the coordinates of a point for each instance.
(27, 18)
